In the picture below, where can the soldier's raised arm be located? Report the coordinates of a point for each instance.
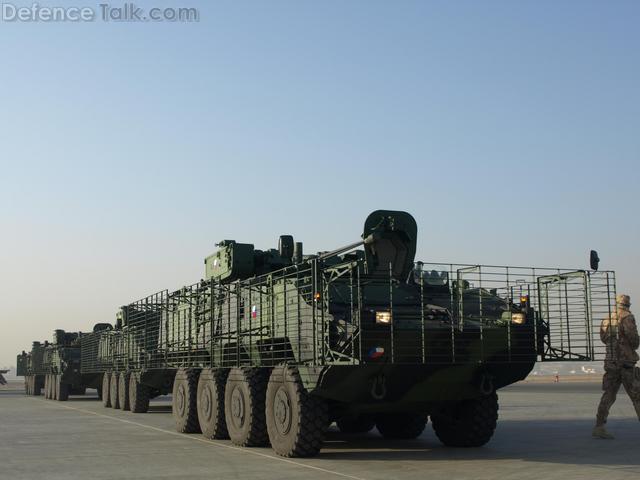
(605, 330)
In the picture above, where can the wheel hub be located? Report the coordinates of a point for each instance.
(206, 403)
(181, 400)
(282, 411)
(237, 407)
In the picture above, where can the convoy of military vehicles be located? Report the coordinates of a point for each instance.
(273, 346)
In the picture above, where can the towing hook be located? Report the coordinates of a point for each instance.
(379, 387)
(486, 384)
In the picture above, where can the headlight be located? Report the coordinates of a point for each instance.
(518, 318)
(383, 318)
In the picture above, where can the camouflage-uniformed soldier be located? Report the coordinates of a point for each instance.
(620, 334)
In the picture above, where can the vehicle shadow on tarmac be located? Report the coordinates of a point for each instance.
(159, 409)
(163, 408)
(554, 441)
(558, 441)
(88, 398)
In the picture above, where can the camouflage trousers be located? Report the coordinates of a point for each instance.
(629, 377)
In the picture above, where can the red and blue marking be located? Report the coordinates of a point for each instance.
(376, 352)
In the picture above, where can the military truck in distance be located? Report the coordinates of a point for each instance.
(272, 346)
(30, 365)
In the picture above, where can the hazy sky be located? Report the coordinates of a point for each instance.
(510, 130)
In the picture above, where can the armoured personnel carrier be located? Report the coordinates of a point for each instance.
(64, 366)
(30, 365)
(272, 346)
(55, 367)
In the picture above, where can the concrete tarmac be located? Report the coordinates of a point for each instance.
(544, 432)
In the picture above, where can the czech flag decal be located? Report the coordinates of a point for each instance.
(254, 311)
(376, 352)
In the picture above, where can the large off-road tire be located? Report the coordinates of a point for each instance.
(123, 390)
(296, 420)
(356, 424)
(244, 406)
(401, 425)
(52, 386)
(113, 391)
(184, 403)
(139, 395)
(211, 387)
(62, 389)
(106, 389)
(469, 423)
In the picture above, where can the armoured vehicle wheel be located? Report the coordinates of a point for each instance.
(106, 386)
(244, 406)
(185, 401)
(401, 425)
(356, 424)
(123, 390)
(113, 390)
(296, 420)
(62, 389)
(211, 386)
(469, 423)
(139, 395)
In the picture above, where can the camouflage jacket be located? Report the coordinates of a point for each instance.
(620, 334)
